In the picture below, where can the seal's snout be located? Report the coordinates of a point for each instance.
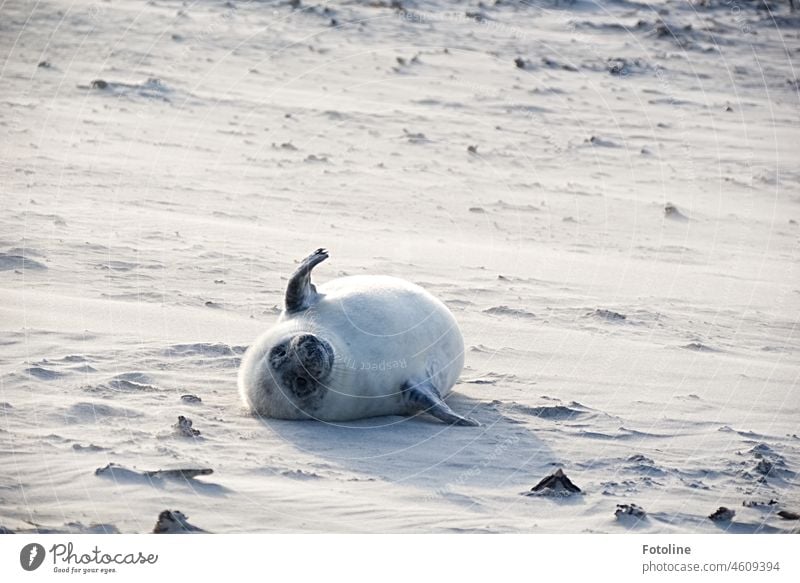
(314, 353)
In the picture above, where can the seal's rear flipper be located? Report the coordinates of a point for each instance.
(424, 397)
(300, 292)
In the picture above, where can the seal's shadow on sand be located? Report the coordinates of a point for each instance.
(423, 452)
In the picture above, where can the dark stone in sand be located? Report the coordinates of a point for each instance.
(722, 514)
(191, 399)
(671, 211)
(99, 84)
(184, 427)
(618, 68)
(602, 142)
(629, 510)
(609, 315)
(699, 347)
(788, 515)
(556, 484)
(44, 65)
(764, 467)
(90, 447)
(416, 137)
(519, 62)
(472, 149)
(174, 522)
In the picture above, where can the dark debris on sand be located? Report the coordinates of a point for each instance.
(174, 522)
(764, 467)
(624, 510)
(184, 427)
(556, 484)
(722, 514)
(608, 315)
(759, 503)
(672, 212)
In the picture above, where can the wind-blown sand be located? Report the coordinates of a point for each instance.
(164, 165)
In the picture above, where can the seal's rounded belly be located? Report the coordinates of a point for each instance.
(359, 347)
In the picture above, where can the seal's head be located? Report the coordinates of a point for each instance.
(301, 363)
(292, 377)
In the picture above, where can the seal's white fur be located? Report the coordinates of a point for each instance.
(384, 332)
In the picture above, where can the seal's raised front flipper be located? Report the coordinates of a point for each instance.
(301, 293)
(424, 397)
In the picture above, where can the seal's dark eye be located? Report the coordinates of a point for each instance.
(301, 382)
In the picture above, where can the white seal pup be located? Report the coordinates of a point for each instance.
(360, 346)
